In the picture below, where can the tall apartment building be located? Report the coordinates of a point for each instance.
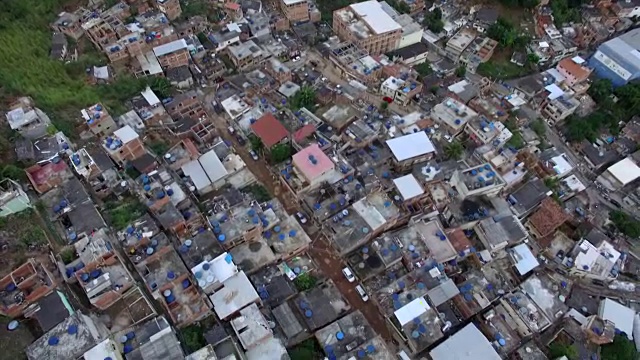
(295, 10)
(170, 7)
(368, 26)
(573, 70)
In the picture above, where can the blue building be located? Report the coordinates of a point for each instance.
(618, 59)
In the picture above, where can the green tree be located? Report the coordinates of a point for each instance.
(516, 141)
(600, 90)
(532, 59)
(384, 106)
(159, 147)
(13, 172)
(280, 153)
(625, 223)
(256, 143)
(539, 128)
(454, 150)
(620, 349)
(304, 98)
(506, 34)
(558, 350)
(424, 69)
(306, 350)
(305, 282)
(461, 71)
(193, 338)
(564, 12)
(433, 21)
(161, 86)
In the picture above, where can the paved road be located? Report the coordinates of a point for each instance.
(330, 262)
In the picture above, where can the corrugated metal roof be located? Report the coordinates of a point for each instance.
(213, 166)
(170, 47)
(467, 344)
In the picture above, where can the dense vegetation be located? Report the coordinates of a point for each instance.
(620, 349)
(507, 35)
(625, 224)
(58, 88)
(565, 11)
(306, 350)
(611, 111)
(433, 21)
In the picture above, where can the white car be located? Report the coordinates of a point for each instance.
(362, 293)
(302, 217)
(348, 274)
(448, 138)
(253, 154)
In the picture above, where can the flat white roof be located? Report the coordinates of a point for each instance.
(212, 166)
(150, 96)
(196, 173)
(411, 311)
(578, 60)
(410, 146)
(620, 315)
(170, 47)
(408, 186)
(525, 261)
(561, 165)
(625, 170)
(554, 91)
(220, 269)
(467, 344)
(291, 2)
(237, 293)
(373, 14)
(393, 83)
(126, 134)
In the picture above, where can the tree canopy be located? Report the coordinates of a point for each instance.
(424, 69)
(527, 4)
(507, 35)
(304, 98)
(565, 11)
(625, 223)
(609, 114)
(620, 349)
(454, 150)
(433, 21)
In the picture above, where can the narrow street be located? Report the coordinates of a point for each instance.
(329, 260)
(320, 250)
(258, 168)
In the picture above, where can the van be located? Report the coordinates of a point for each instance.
(348, 274)
(362, 293)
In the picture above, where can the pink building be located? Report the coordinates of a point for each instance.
(574, 70)
(313, 165)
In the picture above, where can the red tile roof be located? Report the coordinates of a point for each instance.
(232, 6)
(304, 132)
(548, 218)
(269, 130)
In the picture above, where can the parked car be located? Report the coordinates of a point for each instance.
(363, 294)
(302, 217)
(348, 274)
(241, 140)
(253, 154)
(616, 203)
